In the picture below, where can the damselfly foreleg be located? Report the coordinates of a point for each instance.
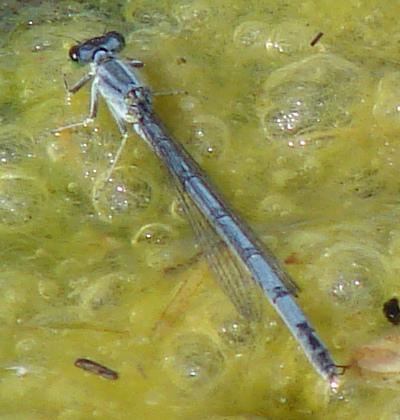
(94, 100)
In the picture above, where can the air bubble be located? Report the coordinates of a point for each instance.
(192, 16)
(98, 297)
(351, 275)
(149, 17)
(285, 38)
(307, 99)
(209, 137)
(189, 103)
(49, 289)
(149, 20)
(194, 360)
(21, 199)
(277, 205)
(27, 347)
(14, 146)
(177, 210)
(235, 332)
(250, 34)
(387, 101)
(126, 193)
(161, 246)
(18, 297)
(153, 233)
(288, 38)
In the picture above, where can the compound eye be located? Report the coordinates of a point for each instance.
(74, 53)
(114, 41)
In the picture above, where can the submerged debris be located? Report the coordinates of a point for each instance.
(96, 368)
(391, 311)
(378, 362)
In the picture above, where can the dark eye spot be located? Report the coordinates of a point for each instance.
(73, 53)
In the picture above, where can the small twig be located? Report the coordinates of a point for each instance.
(317, 38)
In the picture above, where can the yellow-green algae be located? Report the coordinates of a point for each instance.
(303, 141)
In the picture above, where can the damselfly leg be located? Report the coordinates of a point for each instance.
(92, 106)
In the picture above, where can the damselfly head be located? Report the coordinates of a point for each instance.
(85, 52)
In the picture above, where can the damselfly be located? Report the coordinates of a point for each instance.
(250, 266)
